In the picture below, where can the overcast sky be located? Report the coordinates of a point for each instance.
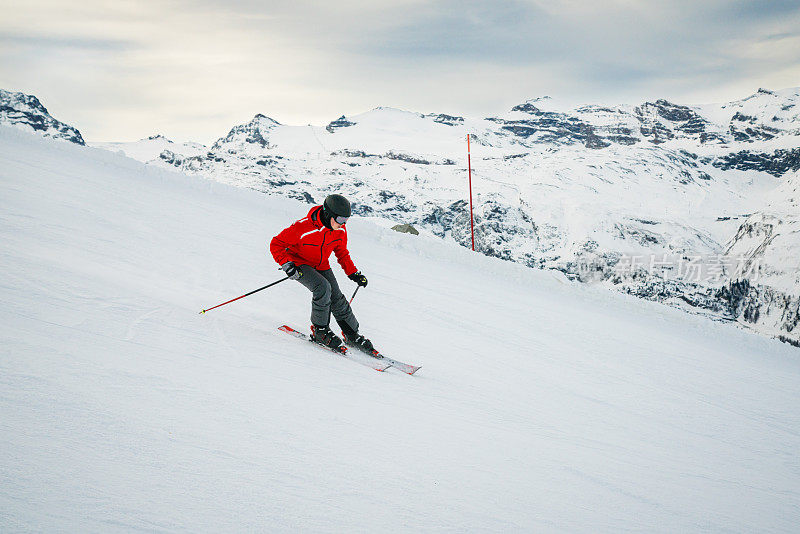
(121, 70)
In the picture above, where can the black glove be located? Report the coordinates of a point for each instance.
(358, 278)
(291, 270)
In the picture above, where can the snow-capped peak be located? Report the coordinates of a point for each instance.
(254, 132)
(25, 111)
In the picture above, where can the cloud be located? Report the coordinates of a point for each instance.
(122, 70)
(41, 43)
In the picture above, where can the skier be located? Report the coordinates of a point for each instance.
(302, 251)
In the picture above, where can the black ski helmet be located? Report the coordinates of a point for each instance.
(336, 205)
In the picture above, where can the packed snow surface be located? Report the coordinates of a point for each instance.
(542, 405)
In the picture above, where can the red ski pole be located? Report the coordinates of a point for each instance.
(247, 294)
(354, 294)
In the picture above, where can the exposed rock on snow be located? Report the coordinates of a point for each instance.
(405, 229)
(778, 163)
(341, 122)
(254, 132)
(26, 112)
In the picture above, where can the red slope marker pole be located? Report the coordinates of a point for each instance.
(471, 223)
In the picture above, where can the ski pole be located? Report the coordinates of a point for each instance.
(354, 294)
(248, 294)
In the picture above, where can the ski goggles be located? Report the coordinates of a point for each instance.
(339, 219)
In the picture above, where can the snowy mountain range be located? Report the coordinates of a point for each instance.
(694, 206)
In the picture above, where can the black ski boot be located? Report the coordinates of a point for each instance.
(354, 339)
(325, 337)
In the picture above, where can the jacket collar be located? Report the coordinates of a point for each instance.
(314, 216)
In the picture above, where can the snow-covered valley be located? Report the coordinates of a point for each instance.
(543, 404)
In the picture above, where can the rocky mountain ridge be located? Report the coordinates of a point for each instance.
(26, 112)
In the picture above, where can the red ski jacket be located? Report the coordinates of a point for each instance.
(309, 242)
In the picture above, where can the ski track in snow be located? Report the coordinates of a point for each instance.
(541, 405)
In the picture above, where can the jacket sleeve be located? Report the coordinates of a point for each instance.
(343, 256)
(285, 239)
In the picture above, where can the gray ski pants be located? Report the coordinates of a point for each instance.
(327, 298)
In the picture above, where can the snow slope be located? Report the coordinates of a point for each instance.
(151, 148)
(543, 405)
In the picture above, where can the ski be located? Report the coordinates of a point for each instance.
(401, 366)
(405, 367)
(356, 356)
